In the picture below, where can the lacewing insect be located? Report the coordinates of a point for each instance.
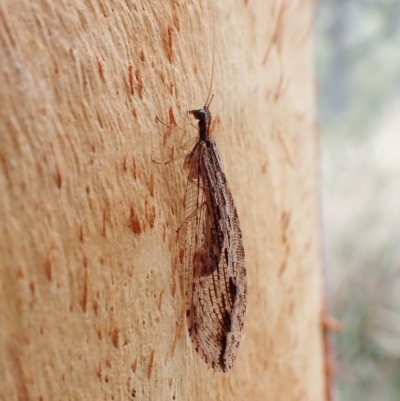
(215, 273)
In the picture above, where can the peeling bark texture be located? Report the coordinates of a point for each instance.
(91, 278)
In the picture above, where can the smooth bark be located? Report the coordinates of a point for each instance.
(91, 276)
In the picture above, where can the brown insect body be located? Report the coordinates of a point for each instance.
(215, 274)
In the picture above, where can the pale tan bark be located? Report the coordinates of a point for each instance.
(91, 280)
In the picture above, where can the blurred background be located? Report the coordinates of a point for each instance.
(358, 69)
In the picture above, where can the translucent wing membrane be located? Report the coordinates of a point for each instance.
(215, 275)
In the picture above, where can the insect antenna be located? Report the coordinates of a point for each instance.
(209, 95)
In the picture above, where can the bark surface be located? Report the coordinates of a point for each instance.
(91, 277)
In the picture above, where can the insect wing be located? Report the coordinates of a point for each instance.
(215, 274)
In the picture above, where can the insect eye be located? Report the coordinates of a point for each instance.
(201, 113)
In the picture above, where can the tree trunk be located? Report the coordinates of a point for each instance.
(91, 265)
